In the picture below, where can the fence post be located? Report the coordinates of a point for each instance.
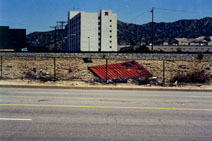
(106, 68)
(1, 67)
(164, 72)
(54, 68)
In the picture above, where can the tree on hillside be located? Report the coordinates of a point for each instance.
(207, 38)
(179, 49)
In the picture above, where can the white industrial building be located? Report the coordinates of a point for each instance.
(96, 32)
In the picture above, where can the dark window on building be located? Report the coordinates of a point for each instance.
(110, 30)
(106, 13)
(110, 20)
(110, 25)
(110, 41)
(110, 36)
(110, 46)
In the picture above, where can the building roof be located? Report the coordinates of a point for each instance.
(120, 70)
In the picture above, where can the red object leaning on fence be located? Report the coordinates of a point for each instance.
(123, 70)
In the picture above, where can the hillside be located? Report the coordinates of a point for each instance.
(164, 32)
(46, 39)
(135, 34)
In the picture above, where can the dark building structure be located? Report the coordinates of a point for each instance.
(12, 39)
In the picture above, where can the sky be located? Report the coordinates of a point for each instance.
(39, 15)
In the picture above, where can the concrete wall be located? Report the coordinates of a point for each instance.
(114, 33)
(71, 34)
(170, 48)
(108, 31)
(89, 32)
(152, 56)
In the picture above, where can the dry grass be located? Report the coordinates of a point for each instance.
(76, 69)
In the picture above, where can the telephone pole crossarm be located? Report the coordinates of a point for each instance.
(62, 24)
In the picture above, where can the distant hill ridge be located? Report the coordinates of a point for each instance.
(164, 32)
(134, 34)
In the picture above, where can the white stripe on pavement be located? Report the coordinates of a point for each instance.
(50, 92)
(17, 119)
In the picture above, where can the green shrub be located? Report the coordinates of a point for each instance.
(200, 56)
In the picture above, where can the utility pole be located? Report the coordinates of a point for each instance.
(1, 67)
(152, 11)
(61, 25)
(106, 69)
(54, 68)
(164, 72)
(55, 37)
(89, 44)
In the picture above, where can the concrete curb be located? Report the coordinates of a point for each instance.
(109, 88)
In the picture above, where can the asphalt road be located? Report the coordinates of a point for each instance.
(93, 115)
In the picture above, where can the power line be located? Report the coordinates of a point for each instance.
(181, 11)
(8, 22)
(138, 16)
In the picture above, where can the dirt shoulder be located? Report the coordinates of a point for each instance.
(84, 85)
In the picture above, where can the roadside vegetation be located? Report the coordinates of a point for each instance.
(200, 77)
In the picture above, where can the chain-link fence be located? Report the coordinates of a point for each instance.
(76, 69)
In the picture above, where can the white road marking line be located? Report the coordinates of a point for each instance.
(16, 119)
(49, 93)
